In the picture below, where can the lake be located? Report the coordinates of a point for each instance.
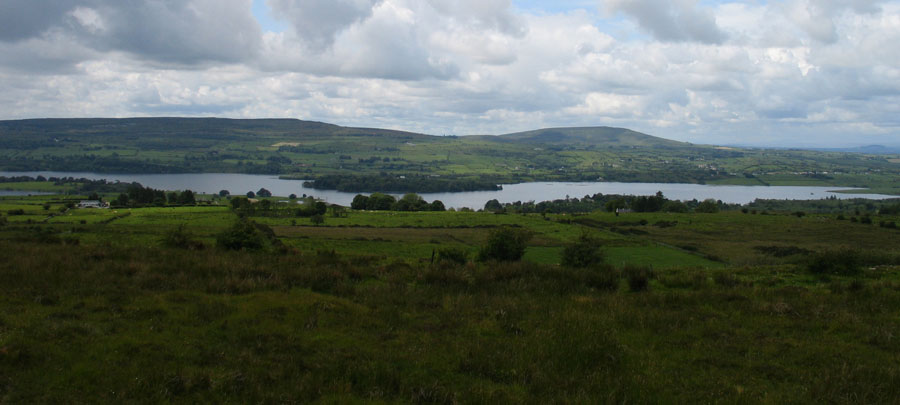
(20, 193)
(239, 184)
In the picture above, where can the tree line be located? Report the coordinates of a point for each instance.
(400, 184)
(140, 196)
(386, 202)
(610, 203)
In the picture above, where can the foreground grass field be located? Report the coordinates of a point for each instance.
(93, 308)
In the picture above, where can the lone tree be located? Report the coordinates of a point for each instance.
(264, 193)
(360, 202)
(584, 252)
(505, 244)
(493, 205)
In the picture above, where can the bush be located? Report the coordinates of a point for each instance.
(505, 244)
(15, 212)
(243, 235)
(835, 262)
(584, 252)
(638, 277)
(452, 255)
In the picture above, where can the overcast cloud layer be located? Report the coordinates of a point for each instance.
(791, 72)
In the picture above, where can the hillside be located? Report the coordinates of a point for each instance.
(592, 136)
(371, 159)
(165, 130)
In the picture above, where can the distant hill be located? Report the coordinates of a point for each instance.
(375, 159)
(592, 136)
(206, 131)
(163, 128)
(868, 149)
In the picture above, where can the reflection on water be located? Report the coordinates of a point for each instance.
(238, 184)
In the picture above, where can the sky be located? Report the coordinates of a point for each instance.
(812, 73)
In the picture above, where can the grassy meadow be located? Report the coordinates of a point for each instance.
(725, 307)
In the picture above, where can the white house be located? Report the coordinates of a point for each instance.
(92, 204)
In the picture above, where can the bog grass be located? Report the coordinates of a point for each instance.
(150, 324)
(356, 311)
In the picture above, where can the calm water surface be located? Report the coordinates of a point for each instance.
(20, 193)
(239, 184)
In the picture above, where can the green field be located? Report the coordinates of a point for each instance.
(95, 307)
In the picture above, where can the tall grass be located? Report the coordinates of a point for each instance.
(94, 323)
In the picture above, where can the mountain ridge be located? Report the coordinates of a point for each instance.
(595, 135)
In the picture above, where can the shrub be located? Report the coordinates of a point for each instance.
(505, 244)
(243, 235)
(835, 262)
(15, 212)
(452, 255)
(317, 219)
(584, 252)
(638, 277)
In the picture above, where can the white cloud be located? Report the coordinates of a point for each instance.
(797, 71)
(318, 22)
(671, 20)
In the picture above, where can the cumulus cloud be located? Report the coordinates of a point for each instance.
(165, 31)
(318, 22)
(25, 19)
(796, 71)
(675, 20)
(393, 39)
(485, 14)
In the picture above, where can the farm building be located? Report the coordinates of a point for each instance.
(92, 204)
